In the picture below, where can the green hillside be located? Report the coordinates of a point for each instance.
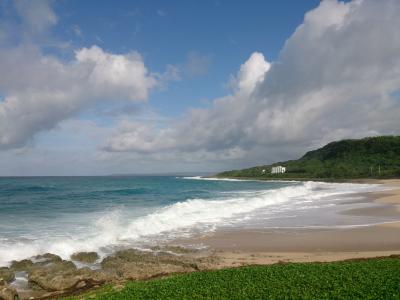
(372, 157)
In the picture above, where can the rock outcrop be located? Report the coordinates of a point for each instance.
(51, 276)
(85, 257)
(50, 273)
(62, 275)
(134, 264)
(21, 265)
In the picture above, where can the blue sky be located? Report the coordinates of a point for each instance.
(100, 87)
(167, 32)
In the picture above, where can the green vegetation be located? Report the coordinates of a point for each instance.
(377, 278)
(374, 157)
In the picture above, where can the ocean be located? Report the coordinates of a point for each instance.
(64, 215)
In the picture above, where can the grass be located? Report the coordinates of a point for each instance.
(377, 278)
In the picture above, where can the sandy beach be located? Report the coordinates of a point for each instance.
(241, 247)
(223, 248)
(199, 149)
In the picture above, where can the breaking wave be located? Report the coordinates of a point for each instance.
(214, 178)
(119, 228)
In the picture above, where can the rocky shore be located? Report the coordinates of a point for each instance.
(48, 276)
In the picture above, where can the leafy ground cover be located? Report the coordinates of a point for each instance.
(377, 278)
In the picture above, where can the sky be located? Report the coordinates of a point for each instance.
(112, 87)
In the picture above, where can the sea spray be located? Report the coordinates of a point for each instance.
(88, 215)
(197, 212)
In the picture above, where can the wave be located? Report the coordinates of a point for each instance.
(195, 212)
(215, 179)
(118, 228)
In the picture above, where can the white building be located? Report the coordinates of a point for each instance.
(278, 169)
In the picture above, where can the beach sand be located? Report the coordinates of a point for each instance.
(267, 246)
(239, 247)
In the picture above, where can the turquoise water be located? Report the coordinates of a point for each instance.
(63, 215)
(37, 201)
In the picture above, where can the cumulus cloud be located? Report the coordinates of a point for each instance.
(194, 132)
(110, 74)
(40, 90)
(251, 73)
(336, 77)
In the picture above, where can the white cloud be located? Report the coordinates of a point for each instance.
(40, 90)
(251, 73)
(335, 78)
(110, 74)
(193, 133)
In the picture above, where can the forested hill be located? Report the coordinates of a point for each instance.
(372, 157)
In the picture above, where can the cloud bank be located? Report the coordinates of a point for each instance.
(337, 76)
(38, 90)
(41, 90)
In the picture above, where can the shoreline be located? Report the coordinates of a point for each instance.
(231, 248)
(268, 246)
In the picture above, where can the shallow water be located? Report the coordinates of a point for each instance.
(63, 215)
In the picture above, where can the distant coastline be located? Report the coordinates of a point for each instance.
(367, 158)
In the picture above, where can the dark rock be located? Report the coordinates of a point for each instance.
(85, 257)
(22, 265)
(50, 276)
(47, 276)
(134, 264)
(6, 274)
(47, 258)
(62, 275)
(49, 273)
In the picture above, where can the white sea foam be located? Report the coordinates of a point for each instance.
(195, 212)
(214, 178)
(117, 228)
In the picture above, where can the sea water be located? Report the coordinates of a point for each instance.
(64, 215)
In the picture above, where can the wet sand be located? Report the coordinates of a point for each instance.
(241, 247)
